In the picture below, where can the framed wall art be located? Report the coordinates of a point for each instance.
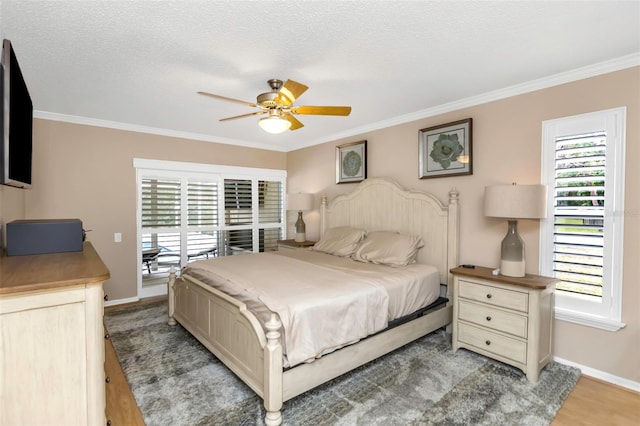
(351, 162)
(446, 150)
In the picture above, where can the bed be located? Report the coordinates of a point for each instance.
(253, 343)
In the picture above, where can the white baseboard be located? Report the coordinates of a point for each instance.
(122, 301)
(601, 375)
(153, 291)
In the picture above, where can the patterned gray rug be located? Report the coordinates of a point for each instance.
(176, 381)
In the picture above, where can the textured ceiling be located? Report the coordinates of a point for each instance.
(138, 65)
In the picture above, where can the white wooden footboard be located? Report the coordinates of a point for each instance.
(233, 335)
(307, 376)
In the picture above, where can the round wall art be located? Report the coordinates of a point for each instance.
(351, 162)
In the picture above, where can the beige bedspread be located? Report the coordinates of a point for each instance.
(324, 302)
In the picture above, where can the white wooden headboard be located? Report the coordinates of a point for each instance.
(380, 204)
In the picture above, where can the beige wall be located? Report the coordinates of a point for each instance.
(507, 148)
(87, 172)
(12, 207)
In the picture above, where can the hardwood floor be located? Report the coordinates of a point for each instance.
(591, 403)
(594, 402)
(121, 406)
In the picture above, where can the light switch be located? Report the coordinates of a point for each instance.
(117, 237)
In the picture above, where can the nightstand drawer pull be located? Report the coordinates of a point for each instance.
(488, 342)
(488, 318)
(489, 296)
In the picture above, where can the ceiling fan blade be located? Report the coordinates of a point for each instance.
(290, 92)
(224, 98)
(243, 115)
(295, 123)
(322, 110)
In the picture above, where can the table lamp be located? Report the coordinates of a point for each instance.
(514, 202)
(300, 202)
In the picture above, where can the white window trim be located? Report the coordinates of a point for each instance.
(179, 166)
(605, 313)
(162, 169)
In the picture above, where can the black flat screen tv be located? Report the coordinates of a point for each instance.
(17, 123)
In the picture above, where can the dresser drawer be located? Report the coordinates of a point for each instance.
(497, 344)
(496, 319)
(494, 296)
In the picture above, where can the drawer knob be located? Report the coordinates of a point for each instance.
(488, 318)
(107, 336)
(107, 379)
(489, 296)
(488, 342)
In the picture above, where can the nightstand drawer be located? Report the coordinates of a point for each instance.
(493, 318)
(494, 295)
(497, 344)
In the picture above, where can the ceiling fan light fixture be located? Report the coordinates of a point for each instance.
(278, 104)
(274, 124)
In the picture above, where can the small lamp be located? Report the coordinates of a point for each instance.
(300, 202)
(514, 202)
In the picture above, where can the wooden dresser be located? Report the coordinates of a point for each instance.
(505, 318)
(52, 340)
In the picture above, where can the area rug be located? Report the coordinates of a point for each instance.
(177, 381)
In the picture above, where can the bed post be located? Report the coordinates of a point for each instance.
(273, 372)
(171, 292)
(324, 210)
(452, 243)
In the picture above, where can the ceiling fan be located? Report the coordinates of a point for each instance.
(278, 106)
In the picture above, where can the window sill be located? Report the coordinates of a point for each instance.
(588, 320)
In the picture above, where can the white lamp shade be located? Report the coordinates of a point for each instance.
(299, 201)
(516, 201)
(274, 124)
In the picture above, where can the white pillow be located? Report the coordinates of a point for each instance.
(340, 241)
(388, 248)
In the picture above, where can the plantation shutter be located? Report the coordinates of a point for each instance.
(238, 202)
(238, 207)
(270, 195)
(270, 212)
(582, 240)
(188, 212)
(579, 213)
(202, 214)
(202, 201)
(161, 221)
(160, 203)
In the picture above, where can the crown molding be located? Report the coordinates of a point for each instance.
(44, 115)
(519, 89)
(600, 68)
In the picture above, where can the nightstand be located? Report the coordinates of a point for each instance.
(505, 318)
(293, 244)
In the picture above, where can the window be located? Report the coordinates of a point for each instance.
(581, 241)
(194, 211)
